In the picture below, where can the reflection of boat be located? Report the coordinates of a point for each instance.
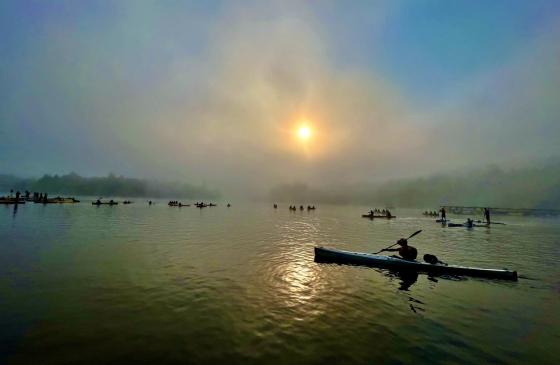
(323, 254)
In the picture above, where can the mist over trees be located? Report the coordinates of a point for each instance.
(110, 185)
(529, 187)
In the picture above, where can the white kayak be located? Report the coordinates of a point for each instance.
(323, 254)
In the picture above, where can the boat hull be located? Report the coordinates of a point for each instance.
(330, 255)
(378, 216)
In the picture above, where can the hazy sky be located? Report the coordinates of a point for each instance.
(215, 91)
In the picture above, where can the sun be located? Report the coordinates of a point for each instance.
(304, 132)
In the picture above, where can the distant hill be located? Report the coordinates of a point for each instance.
(111, 185)
(528, 187)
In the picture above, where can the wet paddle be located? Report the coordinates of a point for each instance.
(409, 237)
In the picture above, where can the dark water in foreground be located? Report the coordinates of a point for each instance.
(139, 284)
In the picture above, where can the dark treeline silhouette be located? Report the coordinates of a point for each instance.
(110, 185)
(530, 187)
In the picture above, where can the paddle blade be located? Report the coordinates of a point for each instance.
(414, 234)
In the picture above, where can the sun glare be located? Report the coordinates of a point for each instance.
(304, 132)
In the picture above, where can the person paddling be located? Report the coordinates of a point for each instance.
(443, 215)
(405, 251)
(487, 215)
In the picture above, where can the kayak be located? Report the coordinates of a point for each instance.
(332, 255)
(484, 222)
(113, 203)
(466, 225)
(378, 216)
(456, 225)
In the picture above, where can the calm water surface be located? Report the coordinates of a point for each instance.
(141, 284)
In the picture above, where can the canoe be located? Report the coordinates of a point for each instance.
(378, 216)
(331, 255)
(113, 203)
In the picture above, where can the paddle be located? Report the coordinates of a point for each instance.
(409, 237)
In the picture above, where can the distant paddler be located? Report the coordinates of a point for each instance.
(487, 215)
(443, 215)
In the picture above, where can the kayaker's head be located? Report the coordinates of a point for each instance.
(403, 242)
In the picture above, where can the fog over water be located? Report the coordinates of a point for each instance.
(213, 93)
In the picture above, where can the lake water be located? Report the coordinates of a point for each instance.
(156, 284)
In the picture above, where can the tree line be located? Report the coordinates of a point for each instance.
(110, 185)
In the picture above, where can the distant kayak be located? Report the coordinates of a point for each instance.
(11, 201)
(484, 222)
(452, 225)
(102, 203)
(332, 255)
(59, 201)
(370, 216)
(449, 224)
